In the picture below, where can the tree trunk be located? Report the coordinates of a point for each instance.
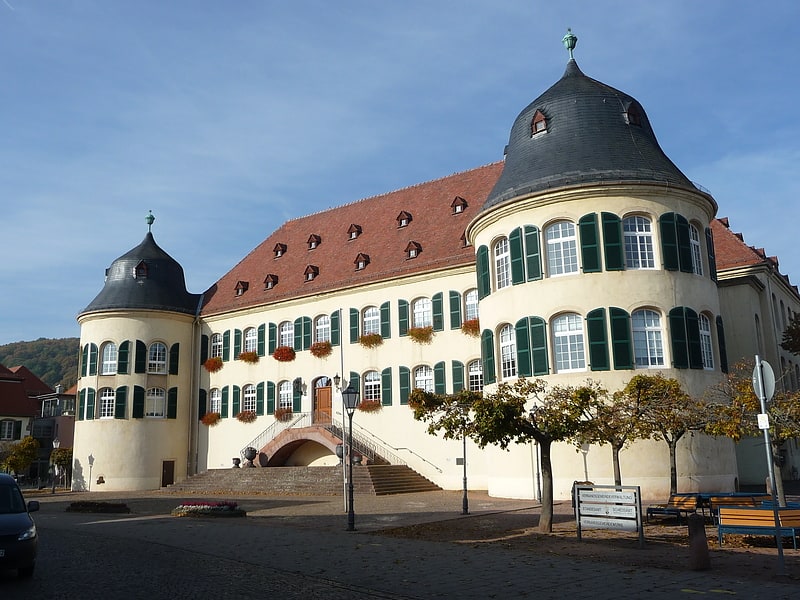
(673, 467)
(546, 518)
(778, 494)
(615, 460)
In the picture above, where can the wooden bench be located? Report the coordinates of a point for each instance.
(677, 506)
(714, 502)
(758, 521)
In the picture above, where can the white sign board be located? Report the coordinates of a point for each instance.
(618, 508)
(763, 421)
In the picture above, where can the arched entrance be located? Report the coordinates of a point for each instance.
(323, 400)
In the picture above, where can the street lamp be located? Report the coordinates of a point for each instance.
(56, 445)
(350, 398)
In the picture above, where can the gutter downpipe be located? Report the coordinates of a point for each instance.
(194, 417)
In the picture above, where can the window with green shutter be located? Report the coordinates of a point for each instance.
(693, 339)
(677, 333)
(723, 350)
(225, 394)
(386, 386)
(590, 244)
(621, 342)
(261, 343)
(598, 340)
(123, 356)
(538, 333)
(260, 399)
(487, 356)
(669, 241)
(533, 253)
(270, 398)
(226, 345)
(140, 360)
(307, 333)
(613, 249)
(335, 331)
(203, 348)
(85, 360)
(386, 324)
(684, 244)
(437, 302)
(82, 404)
(482, 266)
(90, 405)
(457, 370)
(120, 402)
(93, 351)
(402, 317)
(137, 411)
(355, 381)
(237, 343)
(355, 318)
(522, 331)
(517, 256)
(405, 384)
(202, 403)
(439, 378)
(297, 398)
(712, 257)
(236, 400)
(272, 338)
(172, 403)
(174, 356)
(455, 309)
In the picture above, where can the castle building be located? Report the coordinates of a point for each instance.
(585, 253)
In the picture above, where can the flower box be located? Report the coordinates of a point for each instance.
(210, 419)
(471, 327)
(204, 508)
(213, 364)
(369, 406)
(370, 340)
(284, 354)
(321, 349)
(421, 335)
(249, 357)
(283, 414)
(246, 416)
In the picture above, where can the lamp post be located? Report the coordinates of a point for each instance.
(56, 445)
(350, 398)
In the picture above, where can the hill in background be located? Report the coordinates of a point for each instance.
(53, 361)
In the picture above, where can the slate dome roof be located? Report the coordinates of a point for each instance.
(594, 134)
(145, 277)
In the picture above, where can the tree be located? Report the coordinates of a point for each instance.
(22, 454)
(791, 336)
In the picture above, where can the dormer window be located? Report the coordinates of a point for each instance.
(539, 123)
(140, 270)
(458, 205)
(412, 250)
(270, 281)
(311, 272)
(464, 240)
(403, 219)
(313, 241)
(632, 116)
(279, 250)
(241, 287)
(353, 231)
(361, 262)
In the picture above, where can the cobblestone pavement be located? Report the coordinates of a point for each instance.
(297, 547)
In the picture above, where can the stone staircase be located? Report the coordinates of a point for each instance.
(377, 480)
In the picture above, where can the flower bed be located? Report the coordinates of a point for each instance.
(284, 354)
(210, 419)
(246, 416)
(213, 364)
(321, 349)
(88, 506)
(370, 340)
(249, 357)
(205, 508)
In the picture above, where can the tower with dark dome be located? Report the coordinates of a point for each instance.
(132, 423)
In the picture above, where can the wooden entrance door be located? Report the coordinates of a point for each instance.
(322, 404)
(167, 473)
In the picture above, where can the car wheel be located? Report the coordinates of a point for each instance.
(25, 572)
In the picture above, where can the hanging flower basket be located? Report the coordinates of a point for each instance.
(471, 327)
(370, 406)
(421, 335)
(321, 349)
(284, 354)
(249, 357)
(370, 340)
(213, 364)
(210, 419)
(283, 414)
(246, 416)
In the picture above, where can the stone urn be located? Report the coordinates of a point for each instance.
(250, 454)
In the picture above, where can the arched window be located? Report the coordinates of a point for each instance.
(562, 248)
(648, 349)
(705, 342)
(697, 255)
(759, 335)
(475, 376)
(371, 320)
(470, 304)
(216, 345)
(286, 332)
(155, 403)
(249, 397)
(157, 358)
(508, 352)
(423, 378)
(109, 366)
(322, 329)
(285, 395)
(422, 312)
(638, 243)
(215, 404)
(568, 343)
(108, 398)
(372, 386)
(250, 340)
(502, 263)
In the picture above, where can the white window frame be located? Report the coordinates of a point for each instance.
(250, 340)
(322, 328)
(108, 400)
(249, 397)
(697, 253)
(422, 312)
(648, 345)
(215, 401)
(157, 358)
(639, 249)
(562, 248)
(569, 348)
(109, 363)
(7, 430)
(155, 403)
(423, 378)
(471, 304)
(371, 320)
(508, 352)
(285, 395)
(286, 334)
(706, 346)
(501, 252)
(216, 345)
(475, 376)
(372, 386)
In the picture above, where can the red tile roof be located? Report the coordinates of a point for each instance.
(14, 401)
(33, 385)
(433, 226)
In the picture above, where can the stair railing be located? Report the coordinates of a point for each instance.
(271, 432)
(384, 445)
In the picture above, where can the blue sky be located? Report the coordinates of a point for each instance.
(227, 118)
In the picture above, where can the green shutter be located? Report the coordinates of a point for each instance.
(386, 324)
(487, 356)
(516, 251)
(723, 350)
(402, 313)
(405, 384)
(590, 244)
(621, 344)
(82, 404)
(482, 267)
(92, 359)
(272, 338)
(122, 357)
(140, 360)
(437, 303)
(138, 402)
(270, 398)
(297, 343)
(677, 333)
(203, 348)
(693, 339)
(458, 376)
(355, 317)
(120, 402)
(439, 379)
(297, 398)
(538, 329)
(85, 360)
(533, 253)
(669, 241)
(613, 249)
(335, 341)
(598, 340)
(237, 343)
(172, 403)
(226, 345)
(174, 355)
(260, 399)
(237, 395)
(224, 409)
(307, 333)
(90, 409)
(712, 256)
(455, 310)
(523, 343)
(262, 339)
(684, 244)
(386, 386)
(202, 404)
(355, 381)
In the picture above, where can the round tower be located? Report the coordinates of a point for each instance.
(132, 430)
(595, 261)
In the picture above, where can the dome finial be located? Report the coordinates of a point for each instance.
(149, 220)
(569, 41)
